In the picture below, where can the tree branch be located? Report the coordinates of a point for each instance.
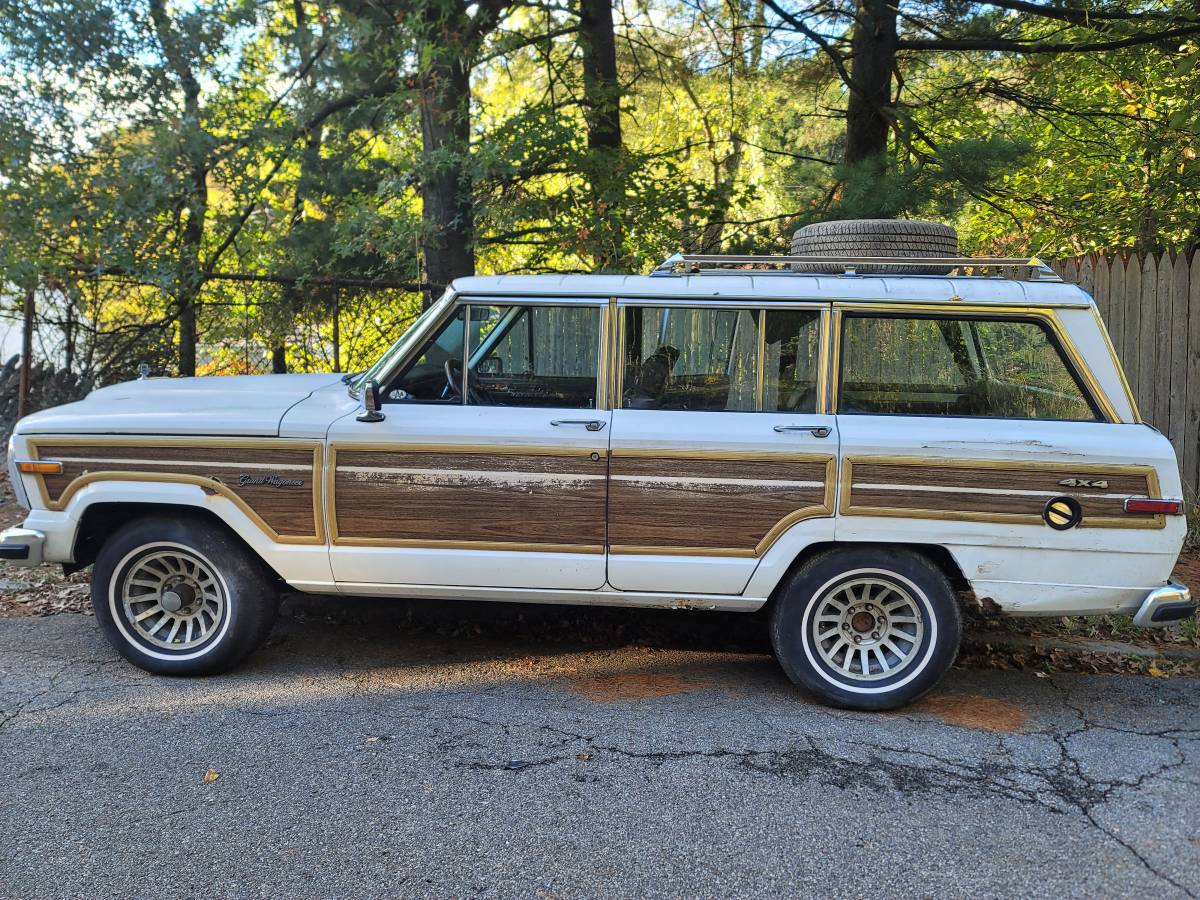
(1006, 45)
(1079, 15)
(380, 89)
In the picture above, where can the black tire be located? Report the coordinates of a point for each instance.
(875, 237)
(228, 597)
(828, 664)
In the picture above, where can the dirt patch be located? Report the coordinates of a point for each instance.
(633, 686)
(1187, 569)
(11, 512)
(972, 711)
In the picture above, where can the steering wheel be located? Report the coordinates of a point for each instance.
(453, 368)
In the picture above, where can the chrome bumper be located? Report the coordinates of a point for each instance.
(22, 546)
(1165, 605)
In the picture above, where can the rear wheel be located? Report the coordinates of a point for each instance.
(181, 596)
(866, 628)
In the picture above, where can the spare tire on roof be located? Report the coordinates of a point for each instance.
(875, 237)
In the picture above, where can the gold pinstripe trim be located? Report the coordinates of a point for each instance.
(824, 348)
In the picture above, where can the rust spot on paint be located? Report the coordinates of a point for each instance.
(973, 711)
(632, 686)
(990, 607)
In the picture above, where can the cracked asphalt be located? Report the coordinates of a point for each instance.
(366, 757)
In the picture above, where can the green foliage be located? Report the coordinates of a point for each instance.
(935, 187)
(304, 122)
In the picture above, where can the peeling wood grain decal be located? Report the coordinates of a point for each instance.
(498, 498)
(713, 504)
(1001, 491)
(276, 482)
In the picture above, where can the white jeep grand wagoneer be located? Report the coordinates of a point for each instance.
(860, 452)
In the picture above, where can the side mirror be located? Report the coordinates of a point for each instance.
(371, 403)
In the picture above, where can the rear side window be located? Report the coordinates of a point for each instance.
(712, 359)
(942, 366)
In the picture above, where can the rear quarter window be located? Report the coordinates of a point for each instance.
(1006, 368)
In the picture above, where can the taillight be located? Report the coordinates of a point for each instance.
(1159, 507)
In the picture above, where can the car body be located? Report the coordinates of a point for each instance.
(689, 439)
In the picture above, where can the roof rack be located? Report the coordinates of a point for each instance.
(1031, 269)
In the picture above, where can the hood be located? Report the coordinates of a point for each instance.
(233, 405)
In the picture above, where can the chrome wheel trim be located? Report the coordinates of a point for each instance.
(148, 574)
(867, 629)
(918, 658)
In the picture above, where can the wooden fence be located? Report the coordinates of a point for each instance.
(1151, 305)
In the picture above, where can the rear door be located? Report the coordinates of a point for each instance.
(720, 441)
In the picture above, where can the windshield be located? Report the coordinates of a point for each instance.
(403, 344)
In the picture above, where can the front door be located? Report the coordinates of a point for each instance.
(490, 468)
(719, 445)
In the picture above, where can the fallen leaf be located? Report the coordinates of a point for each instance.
(583, 757)
(1155, 672)
(211, 775)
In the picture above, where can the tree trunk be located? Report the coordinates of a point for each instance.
(601, 89)
(189, 278)
(868, 109)
(279, 360)
(602, 114)
(26, 353)
(191, 275)
(447, 199)
(337, 330)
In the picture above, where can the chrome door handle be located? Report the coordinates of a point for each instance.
(821, 431)
(589, 424)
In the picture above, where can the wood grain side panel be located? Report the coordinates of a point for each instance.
(533, 499)
(301, 457)
(732, 505)
(1007, 504)
(264, 478)
(955, 489)
(579, 464)
(682, 467)
(1015, 478)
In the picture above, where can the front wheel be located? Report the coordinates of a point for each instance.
(181, 596)
(866, 628)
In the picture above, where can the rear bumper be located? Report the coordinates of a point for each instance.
(22, 546)
(1165, 605)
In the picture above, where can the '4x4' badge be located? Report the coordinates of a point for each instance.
(1084, 482)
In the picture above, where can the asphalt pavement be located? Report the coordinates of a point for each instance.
(373, 757)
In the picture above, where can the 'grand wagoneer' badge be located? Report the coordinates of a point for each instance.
(269, 480)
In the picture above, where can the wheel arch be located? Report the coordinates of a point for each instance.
(102, 518)
(935, 553)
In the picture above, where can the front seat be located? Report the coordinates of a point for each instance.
(647, 390)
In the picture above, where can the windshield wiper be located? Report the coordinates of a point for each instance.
(349, 377)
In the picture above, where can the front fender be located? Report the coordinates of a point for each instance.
(295, 563)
